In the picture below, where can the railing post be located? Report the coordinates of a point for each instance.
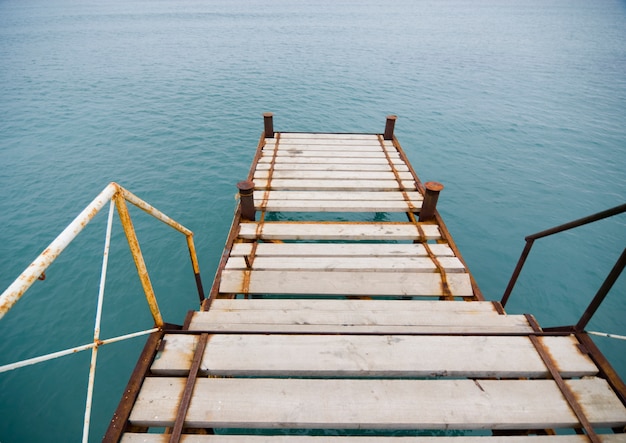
(133, 243)
(602, 292)
(517, 270)
(429, 205)
(268, 121)
(246, 199)
(389, 126)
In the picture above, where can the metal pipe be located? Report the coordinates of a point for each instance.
(268, 123)
(133, 243)
(136, 201)
(602, 292)
(389, 127)
(580, 222)
(195, 266)
(516, 271)
(15, 291)
(74, 350)
(96, 329)
(429, 205)
(246, 199)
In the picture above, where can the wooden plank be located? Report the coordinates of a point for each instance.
(338, 155)
(335, 185)
(424, 308)
(343, 196)
(330, 147)
(164, 438)
(341, 249)
(376, 404)
(332, 175)
(369, 356)
(294, 137)
(373, 322)
(343, 283)
(273, 205)
(267, 158)
(346, 167)
(336, 231)
(364, 264)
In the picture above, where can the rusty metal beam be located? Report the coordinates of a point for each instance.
(183, 406)
(133, 243)
(606, 370)
(122, 413)
(565, 389)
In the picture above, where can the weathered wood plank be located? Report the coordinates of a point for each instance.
(164, 438)
(370, 356)
(332, 175)
(267, 158)
(425, 308)
(330, 147)
(364, 264)
(343, 196)
(341, 250)
(343, 283)
(338, 155)
(335, 185)
(274, 205)
(376, 404)
(346, 167)
(373, 322)
(336, 231)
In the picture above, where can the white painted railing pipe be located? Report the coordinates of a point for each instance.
(15, 291)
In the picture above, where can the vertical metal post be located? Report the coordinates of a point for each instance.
(602, 292)
(429, 205)
(389, 126)
(517, 270)
(195, 266)
(246, 199)
(127, 224)
(268, 120)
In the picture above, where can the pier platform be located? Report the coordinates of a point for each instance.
(342, 311)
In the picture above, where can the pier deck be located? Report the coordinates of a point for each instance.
(342, 310)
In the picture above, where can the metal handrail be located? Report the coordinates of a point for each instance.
(118, 196)
(555, 230)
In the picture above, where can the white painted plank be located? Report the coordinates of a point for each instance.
(346, 167)
(336, 231)
(377, 321)
(343, 283)
(337, 154)
(267, 158)
(363, 264)
(335, 185)
(325, 138)
(273, 205)
(334, 195)
(369, 356)
(424, 308)
(164, 438)
(330, 147)
(341, 249)
(376, 404)
(333, 175)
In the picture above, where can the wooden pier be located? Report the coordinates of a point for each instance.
(342, 311)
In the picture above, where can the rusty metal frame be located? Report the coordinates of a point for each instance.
(445, 233)
(118, 423)
(115, 192)
(530, 239)
(185, 400)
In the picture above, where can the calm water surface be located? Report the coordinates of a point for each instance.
(518, 107)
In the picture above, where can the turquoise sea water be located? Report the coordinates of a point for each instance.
(518, 107)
